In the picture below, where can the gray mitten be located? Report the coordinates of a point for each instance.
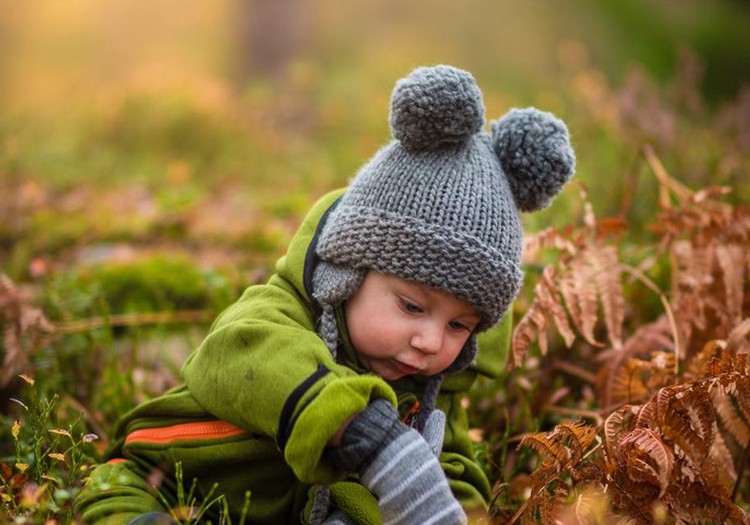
(434, 431)
(398, 466)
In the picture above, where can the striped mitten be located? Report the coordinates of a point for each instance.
(396, 464)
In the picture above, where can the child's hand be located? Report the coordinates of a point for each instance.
(434, 431)
(398, 466)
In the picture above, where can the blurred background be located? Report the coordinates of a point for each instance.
(180, 102)
(204, 130)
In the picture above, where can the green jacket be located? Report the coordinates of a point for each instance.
(261, 397)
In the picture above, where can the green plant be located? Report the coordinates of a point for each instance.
(51, 456)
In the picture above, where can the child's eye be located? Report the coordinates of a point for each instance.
(455, 325)
(410, 307)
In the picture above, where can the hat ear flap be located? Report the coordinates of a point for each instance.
(535, 153)
(466, 356)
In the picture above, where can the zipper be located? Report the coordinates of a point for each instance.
(408, 419)
(184, 432)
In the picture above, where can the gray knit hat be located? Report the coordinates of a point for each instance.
(439, 205)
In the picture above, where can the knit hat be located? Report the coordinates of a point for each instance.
(439, 205)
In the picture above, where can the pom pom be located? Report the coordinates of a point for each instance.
(435, 107)
(535, 152)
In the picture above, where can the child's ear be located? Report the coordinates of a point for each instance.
(535, 153)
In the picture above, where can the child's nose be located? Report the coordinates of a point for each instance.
(429, 339)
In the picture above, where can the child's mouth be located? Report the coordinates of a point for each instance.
(404, 368)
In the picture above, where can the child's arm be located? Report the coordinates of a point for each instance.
(263, 368)
(116, 494)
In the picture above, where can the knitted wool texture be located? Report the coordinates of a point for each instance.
(439, 204)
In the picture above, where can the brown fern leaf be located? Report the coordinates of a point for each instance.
(547, 445)
(731, 261)
(532, 327)
(653, 339)
(647, 416)
(548, 238)
(608, 278)
(578, 287)
(723, 464)
(631, 380)
(694, 502)
(624, 381)
(552, 305)
(646, 458)
(541, 510)
(617, 425)
(708, 360)
(692, 272)
(725, 362)
(676, 423)
(578, 435)
(738, 342)
(696, 403)
(731, 414)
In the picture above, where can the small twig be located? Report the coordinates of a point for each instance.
(667, 309)
(134, 319)
(682, 191)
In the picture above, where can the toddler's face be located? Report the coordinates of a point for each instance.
(400, 328)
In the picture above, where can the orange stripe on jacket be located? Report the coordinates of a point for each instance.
(184, 432)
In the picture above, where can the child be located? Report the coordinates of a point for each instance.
(332, 392)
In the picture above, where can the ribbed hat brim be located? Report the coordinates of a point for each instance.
(415, 250)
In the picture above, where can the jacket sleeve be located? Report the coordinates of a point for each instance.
(263, 368)
(114, 494)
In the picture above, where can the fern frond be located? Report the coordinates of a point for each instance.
(607, 275)
(676, 424)
(619, 423)
(547, 445)
(552, 305)
(646, 458)
(738, 343)
(532, 327)
(578, 287)
(730, 415)
(731, 261)
(578, 435)
(626, 382)
(723, 462)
